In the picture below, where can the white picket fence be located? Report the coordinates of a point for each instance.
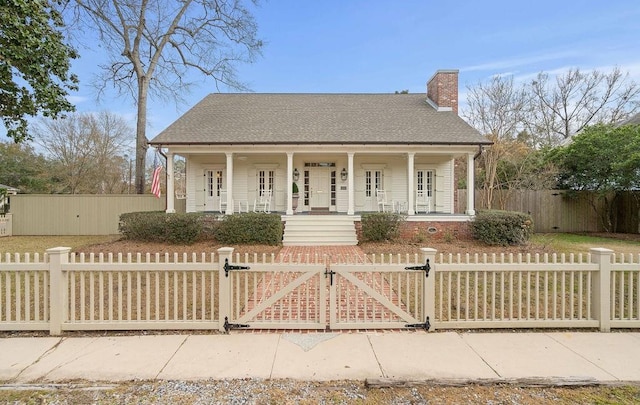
(6, 225)
(597, 290)
(63, 291)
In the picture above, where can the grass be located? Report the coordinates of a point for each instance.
(571, 243)
(39, 244)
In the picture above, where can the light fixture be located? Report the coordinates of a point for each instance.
(296, 174)
(343, 174)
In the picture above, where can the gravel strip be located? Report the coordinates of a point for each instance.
(258, 391)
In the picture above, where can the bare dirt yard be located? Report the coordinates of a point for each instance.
(455, 246)
(541, 243)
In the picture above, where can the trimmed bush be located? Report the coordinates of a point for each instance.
(502, 228)
(158, 226)
(381, 226)
(183, 229)
(142, 226)
(250, 228)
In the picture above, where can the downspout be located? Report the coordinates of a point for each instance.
(477, 155)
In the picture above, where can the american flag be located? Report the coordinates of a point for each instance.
(155, 183)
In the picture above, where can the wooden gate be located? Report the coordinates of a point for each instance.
(329, 296)
(279, 296)
(376, 297)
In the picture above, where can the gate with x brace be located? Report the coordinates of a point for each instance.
(328, 296)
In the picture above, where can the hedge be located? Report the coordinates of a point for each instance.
(502, 228)
(250, 228)
(381, 226)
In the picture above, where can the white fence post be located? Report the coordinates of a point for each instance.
(601, 301)
(224, 287)
(429, 298)
(57, 257)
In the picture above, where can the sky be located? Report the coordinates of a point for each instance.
(342, 46)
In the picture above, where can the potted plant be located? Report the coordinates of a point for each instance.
(295, 196)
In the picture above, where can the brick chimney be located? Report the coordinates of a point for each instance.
(442, 90)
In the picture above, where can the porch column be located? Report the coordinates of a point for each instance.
(410, 182)
(170, 187)
(350, 184)
(229, 210)
(289, 188)
(471, 209)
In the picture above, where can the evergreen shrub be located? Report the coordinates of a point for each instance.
(381, 226)
(250, 228)
(495, 227)
(158, 226)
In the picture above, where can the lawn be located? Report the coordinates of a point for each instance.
(573, 243)
(39, 244)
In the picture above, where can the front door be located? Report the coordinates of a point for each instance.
(319, 187)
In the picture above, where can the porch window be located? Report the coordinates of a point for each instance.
(373, 180)
(214, 183)
(333, 187)
(424, 181)
(306, 187)
(266, 180)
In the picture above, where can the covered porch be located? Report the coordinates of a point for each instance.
(340, 180)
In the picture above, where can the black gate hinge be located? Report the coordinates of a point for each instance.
(228, 267)
(426, 325)
(228, 326)
(424, 268)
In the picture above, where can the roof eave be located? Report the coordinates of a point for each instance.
(166, 144)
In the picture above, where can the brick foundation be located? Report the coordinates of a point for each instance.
(430, 230)
(440, 231)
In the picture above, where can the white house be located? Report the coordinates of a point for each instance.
(347, 153)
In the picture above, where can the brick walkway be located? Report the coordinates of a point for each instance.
(315, 254)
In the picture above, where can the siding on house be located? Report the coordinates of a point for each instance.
(394, 168)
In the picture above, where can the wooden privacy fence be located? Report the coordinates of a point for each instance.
(63, 291)
(79, 214)
(556, 211)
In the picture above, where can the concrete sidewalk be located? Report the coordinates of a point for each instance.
(599, 357)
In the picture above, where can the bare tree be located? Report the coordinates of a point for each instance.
(523, 167)
(111, 135)
(496, 109)
(564, 107)
(85, 150)
(152, 44)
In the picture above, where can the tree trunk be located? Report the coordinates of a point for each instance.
(141, 135)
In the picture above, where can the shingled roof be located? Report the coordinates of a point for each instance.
(317, 119)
